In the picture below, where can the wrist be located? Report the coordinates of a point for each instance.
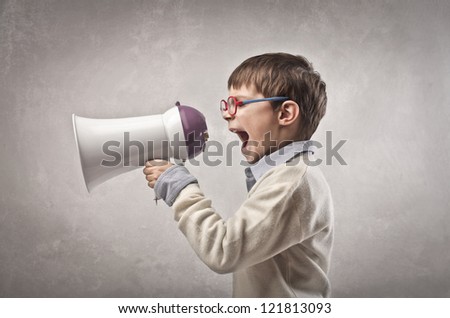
(171, 182)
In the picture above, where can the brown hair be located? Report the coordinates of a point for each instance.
(282, 74)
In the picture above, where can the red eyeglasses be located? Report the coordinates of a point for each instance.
(231, 104)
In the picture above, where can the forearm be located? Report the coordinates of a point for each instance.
(206, 230)
(266, 223)
(255, 233)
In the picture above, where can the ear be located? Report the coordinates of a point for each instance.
(288, 113)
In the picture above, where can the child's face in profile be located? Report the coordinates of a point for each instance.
(253, 123)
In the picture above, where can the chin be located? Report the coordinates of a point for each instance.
(252, 157)
(251, 160)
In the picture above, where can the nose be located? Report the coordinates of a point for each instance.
(226, 115)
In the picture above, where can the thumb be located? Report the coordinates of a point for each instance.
(156, 163)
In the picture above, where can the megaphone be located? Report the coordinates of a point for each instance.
(110, 147)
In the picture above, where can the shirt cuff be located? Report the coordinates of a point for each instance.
(171, 182)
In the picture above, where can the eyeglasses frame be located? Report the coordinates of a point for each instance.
(249, 101)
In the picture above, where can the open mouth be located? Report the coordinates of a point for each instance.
(244, 138)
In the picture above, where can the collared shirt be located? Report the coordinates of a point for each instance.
(282, 155)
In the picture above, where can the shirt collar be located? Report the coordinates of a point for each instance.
(280, 156)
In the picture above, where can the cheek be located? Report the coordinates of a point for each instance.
(257, 123)
(258, 132)
(263, 125)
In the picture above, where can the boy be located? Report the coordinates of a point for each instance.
(278, 242)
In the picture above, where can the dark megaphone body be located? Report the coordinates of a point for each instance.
(109, 147)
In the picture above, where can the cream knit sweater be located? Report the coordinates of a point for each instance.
(278, 242)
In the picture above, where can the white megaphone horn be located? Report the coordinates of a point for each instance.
(109, 147)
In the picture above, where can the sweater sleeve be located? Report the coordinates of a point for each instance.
(267, 223)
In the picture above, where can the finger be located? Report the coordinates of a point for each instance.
(148, 164)
(147, 170)
(150, 170)
(153, 175)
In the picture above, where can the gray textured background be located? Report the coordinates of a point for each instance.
(386, 65)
